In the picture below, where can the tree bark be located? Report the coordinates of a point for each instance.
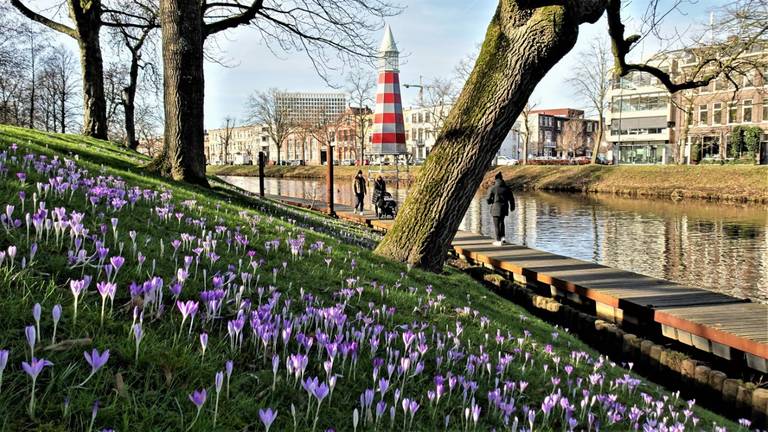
(129, 104)
(599, 139)
(521, 45)
(183, 155)
(94, 103)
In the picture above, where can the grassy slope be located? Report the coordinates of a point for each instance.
(728, 182)
(152, 395)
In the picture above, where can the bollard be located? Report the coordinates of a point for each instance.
(760, 408)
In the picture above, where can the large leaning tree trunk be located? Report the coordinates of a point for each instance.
(183, 156)
(86, 16)
(522, 43)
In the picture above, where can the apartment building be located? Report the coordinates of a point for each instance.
(307, 107)
(640, 120)
(709, 115)
(557, 132)
(238, 145)
(647, 125)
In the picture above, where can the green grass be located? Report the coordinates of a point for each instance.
(152, 394)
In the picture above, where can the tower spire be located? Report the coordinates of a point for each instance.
(388, 126)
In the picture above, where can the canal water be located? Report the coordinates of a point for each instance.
(719, 247)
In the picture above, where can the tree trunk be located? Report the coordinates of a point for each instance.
(183, 155)
(94, 102)
(129, 106)
(520, 46)
(599, 139)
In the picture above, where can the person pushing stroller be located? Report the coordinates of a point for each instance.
(379, 191)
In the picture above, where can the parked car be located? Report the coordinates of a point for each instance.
(348, 162)
(506, 161)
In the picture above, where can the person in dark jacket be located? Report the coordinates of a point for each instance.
(360, 190)
(502, 201)
(379, 188)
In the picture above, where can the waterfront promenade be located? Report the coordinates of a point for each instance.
(731, 328)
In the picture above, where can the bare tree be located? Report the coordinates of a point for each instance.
(591, 81)
(267, 109)
(527, 131)
(115, 77)
(225, 139)
(58, 83)
(439, 95)
(323, 128)
(572, 137)
(524, 40)
(136, 24)
(360, 86)
(342, 27)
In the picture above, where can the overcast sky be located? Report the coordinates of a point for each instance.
(434, 35)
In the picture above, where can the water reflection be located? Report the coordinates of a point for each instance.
(722, 248)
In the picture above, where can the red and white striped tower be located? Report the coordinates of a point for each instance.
(388, 127)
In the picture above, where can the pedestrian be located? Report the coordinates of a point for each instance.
(502, 201)
(359, 187)
(379, 188)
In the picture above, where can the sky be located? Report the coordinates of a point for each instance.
(432, 35)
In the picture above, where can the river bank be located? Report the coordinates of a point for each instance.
(731, 183)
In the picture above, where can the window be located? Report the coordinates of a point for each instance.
(421, 118)
(413, 118)
(746, 111)
(703, 115)
(426, 117)
(765, 109)
(548, 136)
(413, 134)
(717, 113)
(733, 110)
(589, 127)
(421, 135)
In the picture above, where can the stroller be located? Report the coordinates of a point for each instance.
(387, 205)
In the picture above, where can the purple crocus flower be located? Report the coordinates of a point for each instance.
(31, 334)
(198, 398)
(33, 369)
(228, 366)
(56, 314)
(219, 382)
(96, 360)
(117, 262)
(37, 311)
(267, 417)
(204, 342)
(3, 363)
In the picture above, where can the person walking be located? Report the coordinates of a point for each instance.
(379, 188)
(360, 190)
(502, 201)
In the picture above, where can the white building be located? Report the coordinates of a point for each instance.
(307, 107)
(640, 120)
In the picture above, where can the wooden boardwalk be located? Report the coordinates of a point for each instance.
(723, 325)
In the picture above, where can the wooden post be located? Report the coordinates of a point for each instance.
(329, 181)
(262, 161)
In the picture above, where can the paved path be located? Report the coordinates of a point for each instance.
(724, 325)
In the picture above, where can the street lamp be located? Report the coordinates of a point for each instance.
(329, 182)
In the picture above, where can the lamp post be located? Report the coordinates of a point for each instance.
(329, 181)
(262, 161)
